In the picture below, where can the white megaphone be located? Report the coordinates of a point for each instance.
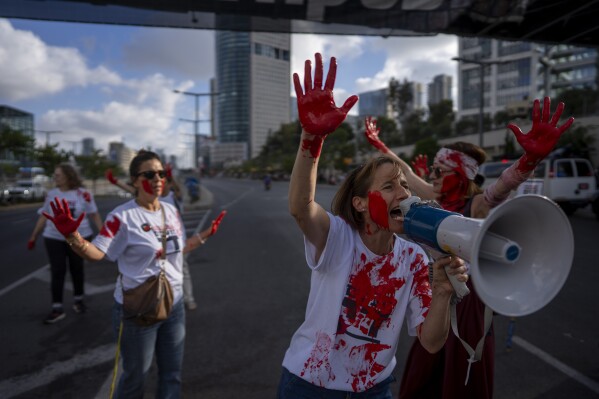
(520, 255)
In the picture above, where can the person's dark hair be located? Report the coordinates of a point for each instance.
(141, 157)
(73, 179)
(476, 153)
(356, 184)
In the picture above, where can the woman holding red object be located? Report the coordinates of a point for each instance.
(132, 236)
(453, 185)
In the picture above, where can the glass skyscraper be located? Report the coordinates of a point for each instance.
(253, 81)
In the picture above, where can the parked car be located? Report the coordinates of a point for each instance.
(568, 181)
(492, 170)
(25, 190)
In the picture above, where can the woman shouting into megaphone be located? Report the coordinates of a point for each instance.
(453, 183)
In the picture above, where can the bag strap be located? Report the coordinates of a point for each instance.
(475, 355)
(163, 256)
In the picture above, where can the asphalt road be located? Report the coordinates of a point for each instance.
(251, 285)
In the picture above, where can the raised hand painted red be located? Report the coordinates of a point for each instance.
(62, 218)
(543, 135)
(110, 177)
(372, 135)
(317, 111)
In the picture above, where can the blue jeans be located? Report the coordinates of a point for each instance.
(138, 345)
(294, 387)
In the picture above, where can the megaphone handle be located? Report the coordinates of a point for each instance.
(461, 290)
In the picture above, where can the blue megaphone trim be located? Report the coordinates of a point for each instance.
(422, 222)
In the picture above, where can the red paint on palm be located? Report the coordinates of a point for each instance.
(62, 219)
(377, 207)
(110, 177)
(372, 135)
(111, 227)
(317, 111)
(420, 165)
(216, 222)
(30, 244)
(147, 187)
(542, 137)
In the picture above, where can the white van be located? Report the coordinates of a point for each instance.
(567, 181)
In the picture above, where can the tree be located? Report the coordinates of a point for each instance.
(414, 128)
(428, 146)
(441, 117)
(21, 145)
(579, 102)
(94, 166)
(48, 157)
(400, 95)
(576, 142)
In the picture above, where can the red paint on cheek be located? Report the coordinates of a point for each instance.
(454, 187)
(147, 187)
(378, 209)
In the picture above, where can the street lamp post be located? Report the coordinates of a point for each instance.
(48, 133)
(196, 121)
(481, 64)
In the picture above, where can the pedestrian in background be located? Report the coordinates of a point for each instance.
(69, 188)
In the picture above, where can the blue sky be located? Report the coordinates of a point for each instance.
(115, 83)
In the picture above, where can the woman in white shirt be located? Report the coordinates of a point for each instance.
(132, 236)
(69, 187)
(365, 279)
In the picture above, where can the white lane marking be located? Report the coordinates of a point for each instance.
(17, 385)
(564, 368)
(230, 204)
(38, 273)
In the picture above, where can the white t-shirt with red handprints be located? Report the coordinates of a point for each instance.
(357, 304)
(79, 200)
(132, 236)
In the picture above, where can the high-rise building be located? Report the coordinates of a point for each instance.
(87, 146)
(17, 120)
(375, 103)
(121, 154)
(439, 89)
(518, 71)
(253, 85)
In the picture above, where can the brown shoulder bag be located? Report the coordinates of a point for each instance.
(151, 301)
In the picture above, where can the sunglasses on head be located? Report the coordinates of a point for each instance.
(149, 174)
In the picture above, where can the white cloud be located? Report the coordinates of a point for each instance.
(31, 69)
(186, 52)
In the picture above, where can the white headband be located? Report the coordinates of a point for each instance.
(456, 159)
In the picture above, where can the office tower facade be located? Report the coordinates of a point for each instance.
(253, 81)
(518, 71)
(439, 89)
(375, 103)
(16, 119)
(87, 146)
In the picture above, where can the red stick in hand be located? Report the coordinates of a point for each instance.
(216, 222)
(110, 177)
(63, 220)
